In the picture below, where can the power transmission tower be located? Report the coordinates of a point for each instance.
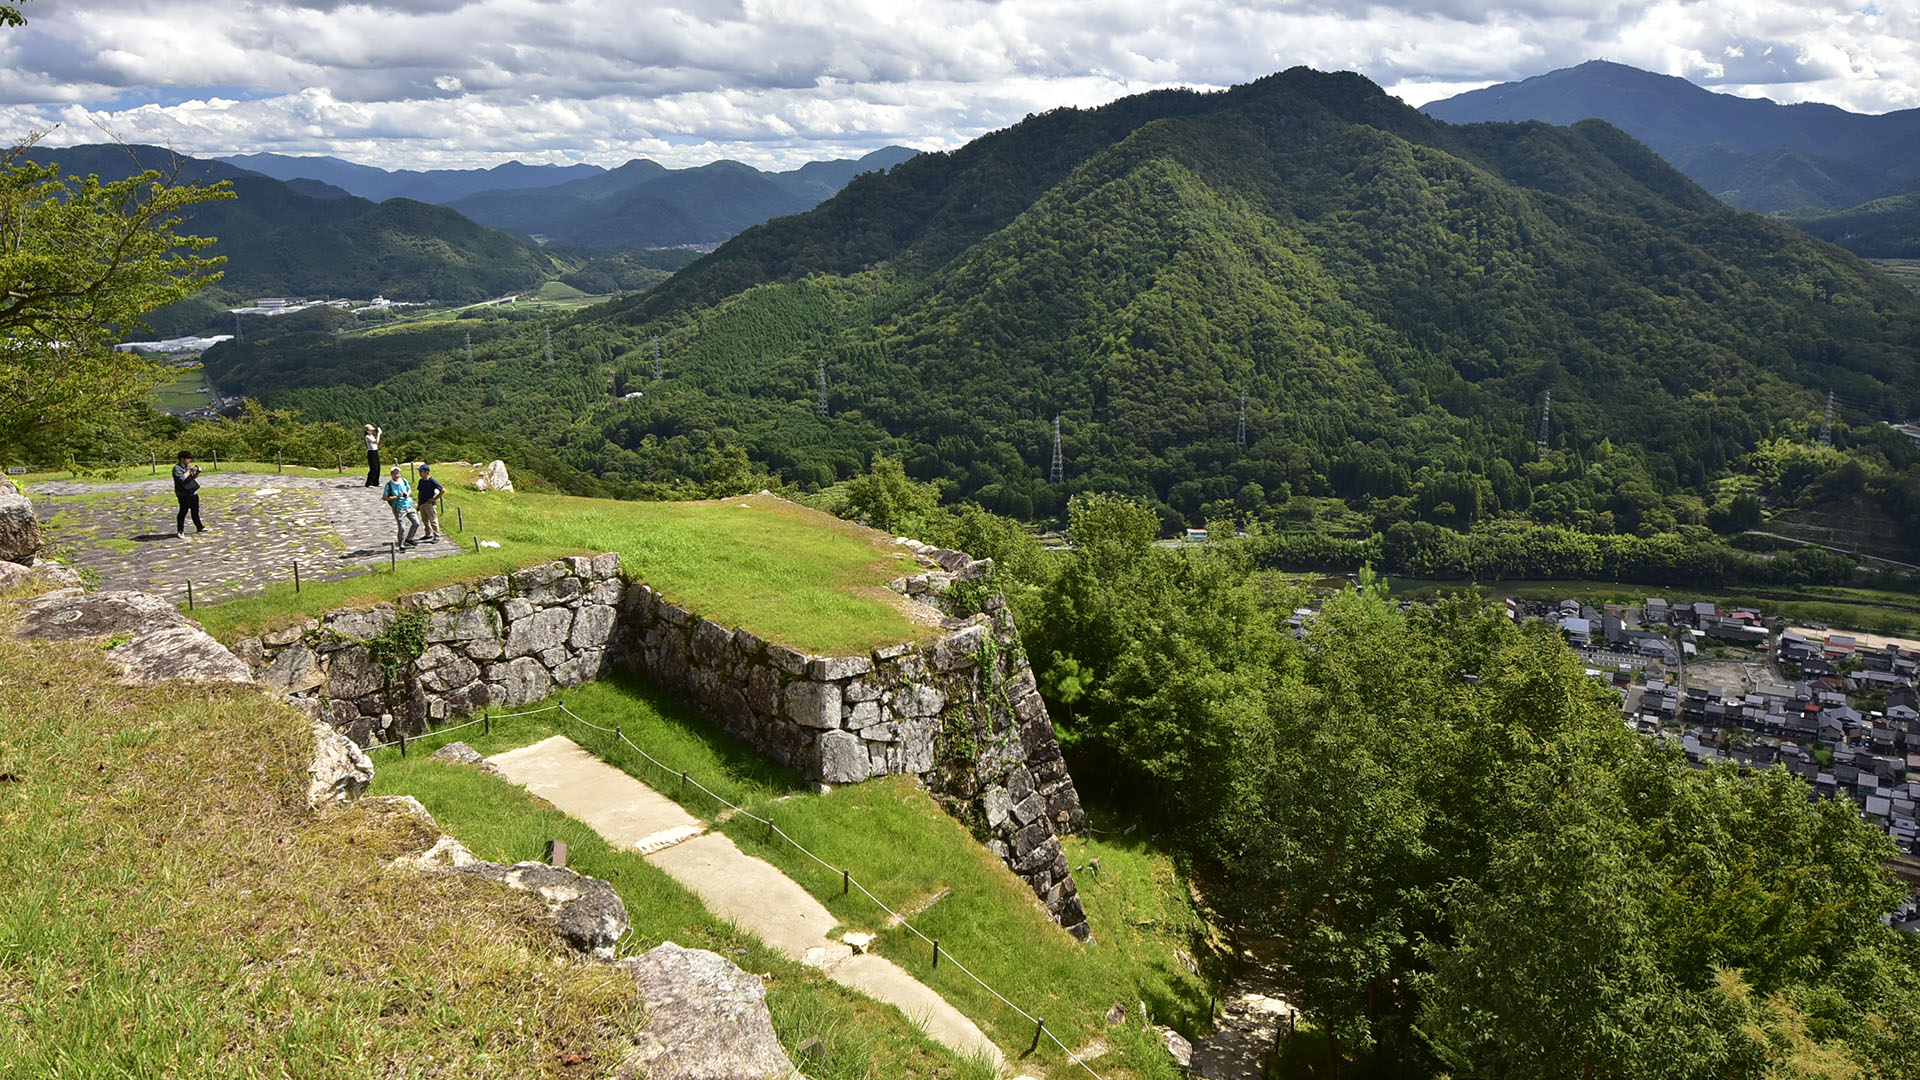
(1826, 424)
(469, 346)
(820, 406)
(239, 335)
(548, 347)
(658, 371)
(1546, 429)
(1240, 436)
(1059, 472)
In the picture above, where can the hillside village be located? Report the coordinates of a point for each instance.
(1838, 709)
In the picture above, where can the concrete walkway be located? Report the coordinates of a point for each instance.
(749, 892)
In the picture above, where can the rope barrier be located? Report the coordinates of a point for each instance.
(846, 878)
(457, 727)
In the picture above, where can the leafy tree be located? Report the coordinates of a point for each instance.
(80, 261)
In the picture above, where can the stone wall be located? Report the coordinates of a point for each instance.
(961, 713)
(498, 642)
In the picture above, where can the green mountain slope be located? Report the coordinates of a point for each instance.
(1394, 297)
(280, 239)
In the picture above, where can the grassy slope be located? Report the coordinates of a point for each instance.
(793, 575)
(171, 908)
(903, 848)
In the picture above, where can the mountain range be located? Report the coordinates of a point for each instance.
(641, 204)
(1390, 296)
(1751, 153)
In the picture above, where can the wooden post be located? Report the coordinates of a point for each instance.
(936, 954)
(846, 882)
(403, 744)
(557, 853)
(153, 462)
(486, 722)
(296, 577)
(189, 595)
(393, 555)
(336, 461)
(460, 518)
(1039, 1026)
(216, 461)
(277, 467)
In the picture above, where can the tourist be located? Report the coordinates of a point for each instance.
(406, 520)
(373, 454)
(430, 491)
(186, 488)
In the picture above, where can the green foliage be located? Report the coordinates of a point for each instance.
(81, 259)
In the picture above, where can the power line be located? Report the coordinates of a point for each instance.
(1059, 472)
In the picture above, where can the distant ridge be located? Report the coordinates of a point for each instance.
(1752, 153)
(430, 185)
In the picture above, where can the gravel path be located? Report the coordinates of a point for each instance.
(258, 527)
(747, 891)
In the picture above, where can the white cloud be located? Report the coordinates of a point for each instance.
(472, 82)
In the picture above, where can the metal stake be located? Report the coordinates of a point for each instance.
(296, 577)
(846, 882)
(216, 461)
(403, 744)
(486, 722)
(1039, 1026)
(460, 519)
(393, 555)
(189, 596)
(936, 954)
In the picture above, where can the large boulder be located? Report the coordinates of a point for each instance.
(588, 914)
(20, 536)
(340, 771)
(493, 477)
(143, 634)
(706, 1020)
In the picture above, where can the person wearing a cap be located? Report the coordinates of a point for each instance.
(372, 435)
(406, 520)
(430, 490)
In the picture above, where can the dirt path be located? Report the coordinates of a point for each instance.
(1248, 1031)
(747, 891)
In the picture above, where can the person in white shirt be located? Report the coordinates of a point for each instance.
(373, 454)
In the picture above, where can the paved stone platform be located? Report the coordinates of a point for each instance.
(258, 527)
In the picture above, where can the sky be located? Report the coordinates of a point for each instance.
(774, 83)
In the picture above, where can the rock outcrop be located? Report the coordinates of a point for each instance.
(706, 1020)
(493, 477)
(20, 535)
(43, 572)
(340, 771)
(142, 633)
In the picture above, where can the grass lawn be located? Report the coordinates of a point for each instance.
(172, 909)
(908, 852)
(790, 574)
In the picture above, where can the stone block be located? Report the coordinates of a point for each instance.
(558, 591)
(466, 699)
(763, 691)
(712, 644)
(750, 646)
(997, 806)
(814, 705)
(543, 630)
(579, 566)
(295, 671)
(519, 682)
(20, 535)
(583, 668)
(952, 560)
(1019, 784)
(287, 635)
(450, 596)
(862, 715)
(554, 657)
(835, 668)
(352, 674)
(843, 758)
(606, 565)
(517, 608)
(360, 625)
(862, 690)
(592, 627)
(919, 700)
(524, 581)
(672, 614)
(463, 624)
(490, 588)
(640, 603)
(977, 570)
(787, 660)
(606, 592)
(957, 649)
(1026, 840)
(486, 648)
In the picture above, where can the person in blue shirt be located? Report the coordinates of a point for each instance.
(430, 491)
(399, 496)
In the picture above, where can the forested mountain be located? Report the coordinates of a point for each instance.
(1393, 295)
(280, 240)
(1751, 152)
(428, 185)
(645, 205)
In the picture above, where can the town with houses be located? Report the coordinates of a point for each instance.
(1838, 709)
